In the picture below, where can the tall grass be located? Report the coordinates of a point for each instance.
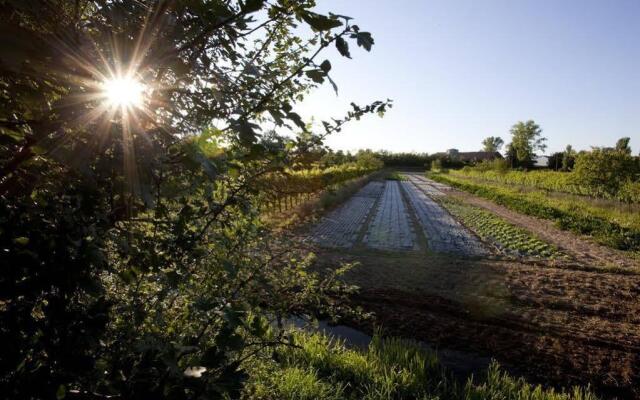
(324, 369)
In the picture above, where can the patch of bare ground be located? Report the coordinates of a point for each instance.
(552, 325)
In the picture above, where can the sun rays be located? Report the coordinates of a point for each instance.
(124, 92)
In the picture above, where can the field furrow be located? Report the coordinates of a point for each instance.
(341, 227)
(444, 234)
(390, 228)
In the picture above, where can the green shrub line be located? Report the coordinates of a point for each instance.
(598, 174)
(604, 231)
(323, 368)
(509, 238)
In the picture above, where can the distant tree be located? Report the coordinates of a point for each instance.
(492, 144)
(368, 159)
(555, 160)
(568, 158)
(622, 145)
(526, 138)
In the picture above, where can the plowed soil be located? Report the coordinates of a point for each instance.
(552, 324)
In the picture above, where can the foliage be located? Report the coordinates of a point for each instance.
(133, 250)
(395, 176)
(552, 181)
(436, 165)
(603, 172)
(607, 228)
(499, 165)
(367, 159)
(509, 238)
(568, 158)
(525, 140)
(622, 145)
(492, 144)
(420, 160)
(283, 188)
(388, 369)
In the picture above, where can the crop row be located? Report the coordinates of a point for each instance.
(284, 189)
(509, 238)
(564, 182)
(608, 231)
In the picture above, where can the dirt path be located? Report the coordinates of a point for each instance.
(582, 250)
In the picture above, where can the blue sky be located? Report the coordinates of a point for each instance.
(461, 70)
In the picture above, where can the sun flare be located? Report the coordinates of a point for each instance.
(123, 92)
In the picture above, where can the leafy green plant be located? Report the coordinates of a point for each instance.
(604, 172)
(135, 261)
(509, 238)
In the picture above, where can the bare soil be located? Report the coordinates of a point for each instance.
(551, 324)
(555, 326)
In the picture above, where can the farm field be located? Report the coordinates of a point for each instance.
(480, 278)
(617, 228)
(206, 199)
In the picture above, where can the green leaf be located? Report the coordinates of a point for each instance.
(365, 40)
(251, 6)
(61, 393)
(21, 240)
(128, 276)
(343, 47)
(320, 22)
(317, 75)
(325, 66)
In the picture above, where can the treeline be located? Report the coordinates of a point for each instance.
(389, 159)
(602, 172)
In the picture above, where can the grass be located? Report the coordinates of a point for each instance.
(509, 238)
(394, 176)
(607, 227)
(324, 369)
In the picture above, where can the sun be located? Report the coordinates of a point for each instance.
(124, 92)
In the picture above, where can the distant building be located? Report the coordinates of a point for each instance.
(541, 161)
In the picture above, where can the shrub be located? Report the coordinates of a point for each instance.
(436, 165)
(604, 171)
(498, 165)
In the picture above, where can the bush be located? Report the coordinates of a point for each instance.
(604, 172)
(436, 165)
(498, 165)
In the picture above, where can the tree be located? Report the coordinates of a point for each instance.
(132, 246)
(605, 171)
(367, 159)
(492, 144)
(525, 140)
(568, 158)
(622, 145)
(555, 161)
